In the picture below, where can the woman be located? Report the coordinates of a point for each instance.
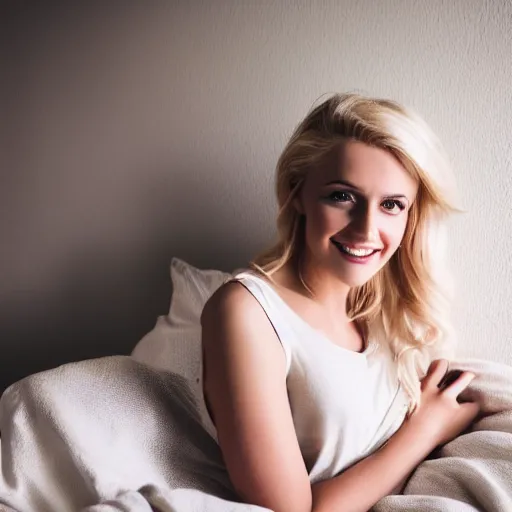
(315, 360)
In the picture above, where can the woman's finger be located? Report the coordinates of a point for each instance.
(453, 390)
(436, 371)
(449, 378)
(469, 412)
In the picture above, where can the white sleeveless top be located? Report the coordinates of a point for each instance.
(344, 404)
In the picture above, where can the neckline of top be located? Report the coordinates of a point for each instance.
(296, 316)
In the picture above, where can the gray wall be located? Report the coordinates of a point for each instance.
(132, 132)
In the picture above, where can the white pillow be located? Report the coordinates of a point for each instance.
(174, 344)
(192, 287)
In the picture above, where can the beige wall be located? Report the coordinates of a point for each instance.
(135, 131)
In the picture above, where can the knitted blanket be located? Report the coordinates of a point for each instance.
(113, 434)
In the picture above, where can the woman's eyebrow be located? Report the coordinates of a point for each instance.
(343, 182)
(396, 196)
(346, 183)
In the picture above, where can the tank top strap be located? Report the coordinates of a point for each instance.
(264, 294)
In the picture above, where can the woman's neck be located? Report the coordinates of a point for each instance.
(328, 292)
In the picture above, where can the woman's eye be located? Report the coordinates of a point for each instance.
(393, 205)
(340, 196)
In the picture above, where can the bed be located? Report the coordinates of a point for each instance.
(131, 433)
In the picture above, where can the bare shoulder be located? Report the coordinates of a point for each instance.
(231, 299)
(237, 328)
(245, 390)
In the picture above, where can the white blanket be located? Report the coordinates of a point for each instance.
(113, 434)
(474, 471)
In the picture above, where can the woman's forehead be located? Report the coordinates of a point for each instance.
(366, 167)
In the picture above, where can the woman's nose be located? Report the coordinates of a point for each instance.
(365, 224)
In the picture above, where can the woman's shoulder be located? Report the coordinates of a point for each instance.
(228, 317)
(231, 299)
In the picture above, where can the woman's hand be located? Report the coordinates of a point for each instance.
(440, 417)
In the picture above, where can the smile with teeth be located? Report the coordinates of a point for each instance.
(353, 251)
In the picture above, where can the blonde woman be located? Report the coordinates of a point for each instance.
(322, 373)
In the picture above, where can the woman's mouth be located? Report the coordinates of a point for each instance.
(355, 254)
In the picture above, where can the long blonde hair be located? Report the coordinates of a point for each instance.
(406, 304)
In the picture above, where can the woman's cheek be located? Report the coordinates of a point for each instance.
(332, 221)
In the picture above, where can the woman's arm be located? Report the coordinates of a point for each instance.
(438, 419)
(245, 389)
(364, 484)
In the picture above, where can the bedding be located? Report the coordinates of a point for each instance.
(129, 433)
(174, 342)
(114, 434)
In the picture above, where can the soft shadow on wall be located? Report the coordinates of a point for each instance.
(91, 215)
(107, 296)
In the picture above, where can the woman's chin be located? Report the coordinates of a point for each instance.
(354, 279)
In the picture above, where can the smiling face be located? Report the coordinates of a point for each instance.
(356, 205)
